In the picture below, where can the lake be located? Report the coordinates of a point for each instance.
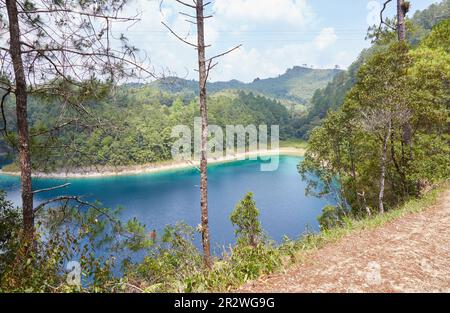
(164, 198)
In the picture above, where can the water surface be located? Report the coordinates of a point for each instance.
(168, 197)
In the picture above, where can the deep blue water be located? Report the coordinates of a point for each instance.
(168, 197)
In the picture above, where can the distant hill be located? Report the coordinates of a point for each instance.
(297, 84)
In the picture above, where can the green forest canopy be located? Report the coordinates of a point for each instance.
(133, 125)
(332, 96)
(363, 144)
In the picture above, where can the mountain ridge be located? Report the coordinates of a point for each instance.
(297, 84)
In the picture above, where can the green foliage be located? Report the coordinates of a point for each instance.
(431, 162)
(410, 86)
(42, 268)
(73, 230)
(432, 15)
(250, 258)
(331, 217)
(329, 98)
(395, 88)
(245, 218)
(173, 258)
(355, 224)
(4, 156)
(244, 263)
(175, 265)
(294, 143)
(10, 223)
(333, 95)
(249, 262)
(440, 36)
(133, 126)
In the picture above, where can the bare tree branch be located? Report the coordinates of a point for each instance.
(224, 53)
(2, 107)
(59, 10)
(179, 37)
(51, 188)
(186, 4)
(382, 21)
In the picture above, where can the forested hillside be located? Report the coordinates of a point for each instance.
(388, 142)
(298, 84)
(134, 125)
(172, 100)
(332, 96)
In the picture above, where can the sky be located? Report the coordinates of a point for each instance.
(275, 34)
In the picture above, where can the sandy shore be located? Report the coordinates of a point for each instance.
(159, 167)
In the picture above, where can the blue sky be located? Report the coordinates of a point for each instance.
(275, 34)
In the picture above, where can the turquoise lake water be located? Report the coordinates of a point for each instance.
(168, 197)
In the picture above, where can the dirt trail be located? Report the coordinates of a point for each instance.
(411, 254)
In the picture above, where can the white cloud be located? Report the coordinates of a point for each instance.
(247, 64)
(261, 25)
(295, 12)
(326, 38)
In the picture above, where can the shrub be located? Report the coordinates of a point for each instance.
(331, 217)
(63, 233)
(10, 223)
(245, 218)
(43, 268)
(173, 259)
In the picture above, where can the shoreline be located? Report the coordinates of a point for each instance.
(110, 171)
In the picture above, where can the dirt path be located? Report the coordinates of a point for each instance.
(411, 254)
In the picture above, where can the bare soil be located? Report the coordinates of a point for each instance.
(410, 254)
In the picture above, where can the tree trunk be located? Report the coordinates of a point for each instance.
(401, 14)
(402, 10)
(204, 135)
(400, 172)
(448, 132)
(383, 169)
(22, 120)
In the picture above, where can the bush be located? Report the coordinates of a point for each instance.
(63, 233)
(10, 223)
(243, 264)
(43, 267)
(173, 259)
(250, 258)
(175, 265)
(331, 217)
(246, 219)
